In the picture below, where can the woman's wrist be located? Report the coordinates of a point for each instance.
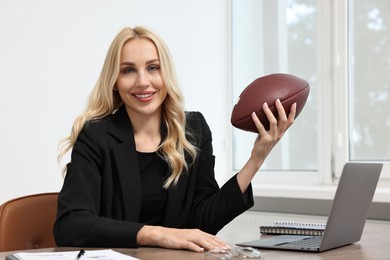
(246, 174)
(147, 235)
(252, 165)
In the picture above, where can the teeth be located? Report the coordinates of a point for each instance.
(143, 95)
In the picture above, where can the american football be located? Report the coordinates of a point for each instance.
(288, 88)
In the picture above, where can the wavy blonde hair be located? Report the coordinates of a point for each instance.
(104, 101)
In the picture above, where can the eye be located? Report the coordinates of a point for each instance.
(128, 70)
(154, 67)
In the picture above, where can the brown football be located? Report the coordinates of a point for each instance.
(288, 88)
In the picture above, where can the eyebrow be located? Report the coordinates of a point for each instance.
(132, 63)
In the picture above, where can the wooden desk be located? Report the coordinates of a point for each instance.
(375, 244)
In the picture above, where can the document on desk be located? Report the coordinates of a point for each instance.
(106, 254)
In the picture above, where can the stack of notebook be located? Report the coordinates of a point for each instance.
(294, 228)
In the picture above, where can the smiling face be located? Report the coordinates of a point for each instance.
(140, 84)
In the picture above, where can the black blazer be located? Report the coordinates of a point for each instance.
(100, 201)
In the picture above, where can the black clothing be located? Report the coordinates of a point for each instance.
(100, 202)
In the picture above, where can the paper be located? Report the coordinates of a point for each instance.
(106, 254)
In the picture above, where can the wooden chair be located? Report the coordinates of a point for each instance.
(27, 222)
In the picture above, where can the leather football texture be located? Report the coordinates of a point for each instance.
(288, 88)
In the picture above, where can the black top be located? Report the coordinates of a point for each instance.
(153, 171)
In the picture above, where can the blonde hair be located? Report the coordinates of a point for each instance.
(104, 101)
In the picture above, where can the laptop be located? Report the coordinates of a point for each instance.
(347, 217)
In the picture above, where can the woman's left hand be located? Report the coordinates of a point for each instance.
(265, 140)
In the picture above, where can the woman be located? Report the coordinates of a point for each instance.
(142, 169)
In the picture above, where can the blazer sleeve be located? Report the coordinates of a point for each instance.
(78, 220)
(214, 207)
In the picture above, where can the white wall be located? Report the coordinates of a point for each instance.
(51, 53)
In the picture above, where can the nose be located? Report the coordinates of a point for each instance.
(143, 80)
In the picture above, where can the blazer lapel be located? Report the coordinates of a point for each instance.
(126, 159)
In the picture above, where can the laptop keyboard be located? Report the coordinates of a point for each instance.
(311, 242)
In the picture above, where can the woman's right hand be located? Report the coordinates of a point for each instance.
(173, 238)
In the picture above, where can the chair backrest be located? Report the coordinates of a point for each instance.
(27, 222)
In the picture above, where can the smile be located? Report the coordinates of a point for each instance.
(143, 95)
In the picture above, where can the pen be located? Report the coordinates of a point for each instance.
(80, 254)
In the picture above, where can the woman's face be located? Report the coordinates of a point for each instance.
(140, 83)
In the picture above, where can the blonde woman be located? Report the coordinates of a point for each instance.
(142, 169)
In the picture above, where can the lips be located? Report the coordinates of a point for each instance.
(144, 97)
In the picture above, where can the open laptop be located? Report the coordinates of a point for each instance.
(347, 217)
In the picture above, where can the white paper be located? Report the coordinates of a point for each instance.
(106, 254)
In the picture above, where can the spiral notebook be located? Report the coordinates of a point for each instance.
(347, 218)
(294, 228)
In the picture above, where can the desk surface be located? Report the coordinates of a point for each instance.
(374, 244)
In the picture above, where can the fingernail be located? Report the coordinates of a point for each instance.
(278, 101)
(265, 105)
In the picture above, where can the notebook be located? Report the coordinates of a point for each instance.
(294, 228)
(347, 217)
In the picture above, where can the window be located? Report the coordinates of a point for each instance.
(369, 73)
(342, 48)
